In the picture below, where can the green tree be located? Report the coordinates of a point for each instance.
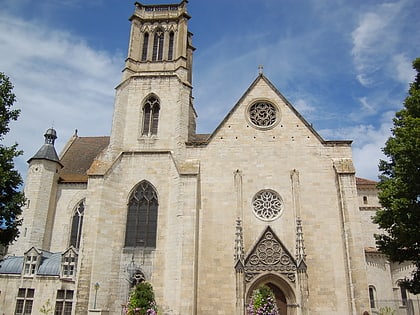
(399, 187)
(142, 300)
(11, 197)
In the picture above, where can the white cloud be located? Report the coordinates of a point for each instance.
(368, 142)
(375, 40)
(403, 68)
(59, 80)
(303, 106)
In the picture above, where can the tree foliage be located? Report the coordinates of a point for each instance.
(11, 198)
(399, 187)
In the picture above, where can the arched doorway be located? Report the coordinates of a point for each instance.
(280, 298)
(282, 290)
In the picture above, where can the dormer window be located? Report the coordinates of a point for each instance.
(31, 262)
(69, 263)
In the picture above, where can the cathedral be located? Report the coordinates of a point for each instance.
(205, 218)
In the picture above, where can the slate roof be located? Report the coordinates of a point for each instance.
(11, 265)
(47, 151)
(50, 264)
(78, 157)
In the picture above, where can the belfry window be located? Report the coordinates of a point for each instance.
(145, 44)
(158, 45)
(142, 217)
(171, 46)
(76, 224)
(150, 116)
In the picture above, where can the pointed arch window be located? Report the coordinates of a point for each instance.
(403, 292)
(145, 45)
(372, 296)
(150, 116)
(158, 45)
(142, 217)
(171, 46)
(76, 224)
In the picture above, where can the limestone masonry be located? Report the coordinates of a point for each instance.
(205, 218)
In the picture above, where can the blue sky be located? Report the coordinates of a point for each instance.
(345, 65)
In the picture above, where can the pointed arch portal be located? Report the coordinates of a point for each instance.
(283, 292)
(270, 263)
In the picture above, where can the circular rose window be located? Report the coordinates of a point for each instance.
(263, 114)
(267, 205)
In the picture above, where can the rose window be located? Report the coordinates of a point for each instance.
(267, 205)
(263, 114)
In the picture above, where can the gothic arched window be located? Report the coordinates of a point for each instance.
(171, 46)
(150, 116)
(372, 296)
(158, 45)
(142, 217)
(145, 44)
(76, 224)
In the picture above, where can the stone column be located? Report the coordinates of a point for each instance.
(352, 236)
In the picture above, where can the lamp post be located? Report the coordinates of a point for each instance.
(96, 287)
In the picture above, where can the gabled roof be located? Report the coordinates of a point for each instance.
(78, 156)
(205, 139)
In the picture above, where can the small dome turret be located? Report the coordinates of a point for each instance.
(47, 151)
(50, 136)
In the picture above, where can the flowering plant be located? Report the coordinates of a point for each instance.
(142, 300)
(262, 302)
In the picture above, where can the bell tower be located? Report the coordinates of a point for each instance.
(160, 41)
(153, 105)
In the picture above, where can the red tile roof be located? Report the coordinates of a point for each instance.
(363, 183)
(79, 156)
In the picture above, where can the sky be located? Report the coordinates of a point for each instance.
(344, 65)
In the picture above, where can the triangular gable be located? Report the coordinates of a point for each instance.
(70, 251)
(288, 104)
(33, 251)
(269, 254)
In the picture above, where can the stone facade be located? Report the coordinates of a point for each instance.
(262, 200)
